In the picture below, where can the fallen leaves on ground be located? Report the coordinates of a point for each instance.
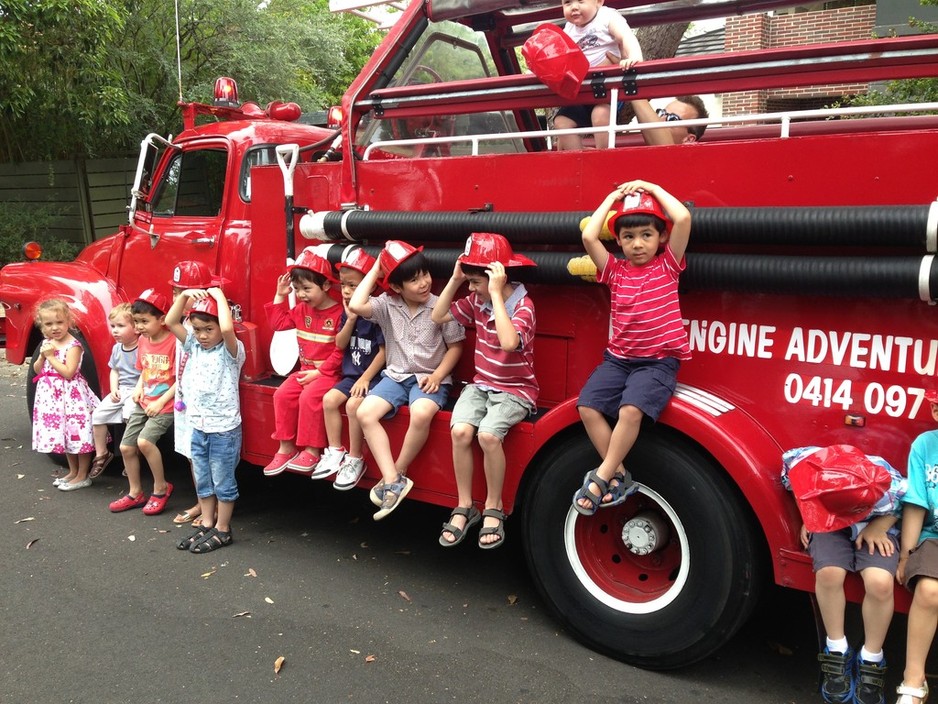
(250, 572)
(206, 575)
(512, 599)
(23, 520)
(370, 658)
(268, 600)
(131, 538)
(242, 613)
(404, 595)
(31, 543)
(278, 663)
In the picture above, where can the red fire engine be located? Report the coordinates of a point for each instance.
(808, 292)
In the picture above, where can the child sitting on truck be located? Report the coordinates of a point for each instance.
(116, 407)
(918, 557)
(639, 369)
(601, 33)
(504, 389)
(362, 360)
(297, 401)
(849, 503)
(153, 413)
(420, 357)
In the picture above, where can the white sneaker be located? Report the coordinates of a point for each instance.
(350, 472)
(329, 463)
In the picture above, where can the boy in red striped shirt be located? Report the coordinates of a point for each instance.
(503, 391)
(648, 342)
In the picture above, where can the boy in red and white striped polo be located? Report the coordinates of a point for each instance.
(503, 391)
(639, 369)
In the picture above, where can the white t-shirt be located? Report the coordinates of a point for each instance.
(594, 38)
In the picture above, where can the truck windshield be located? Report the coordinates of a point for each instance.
(446, 52)
(193, 184)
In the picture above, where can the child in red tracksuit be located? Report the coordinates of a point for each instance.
(298, 418)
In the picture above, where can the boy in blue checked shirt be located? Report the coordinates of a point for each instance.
(850, 505)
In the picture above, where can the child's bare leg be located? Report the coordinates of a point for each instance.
(354, 427)
(567, 141)
(72, 467)
(155, 460)
(421, 413)
(597, 428)
(131, 459)
(878, 605)
(287, 447)
(196, 510)
(494, 464)
(223, 520)
(621, 440)
(208, 506)
(829, 590)
(462, 434)
(83, 465)
(600, 118)
(331, 410)
(370, 413)
(923, 619)
(100, 440)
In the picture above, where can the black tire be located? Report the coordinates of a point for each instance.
(88, 370)
(664, 610)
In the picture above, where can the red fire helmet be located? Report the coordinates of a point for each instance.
(157, 300)
(638, 204)
(192, 274)
(356, 258)
(394, 254)
(556, 60)
(836, 487)
(206, 305)
(308, 259)
(483, 248)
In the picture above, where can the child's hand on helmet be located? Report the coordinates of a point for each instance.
(498, 277)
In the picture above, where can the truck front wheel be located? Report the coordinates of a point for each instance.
(662, 580)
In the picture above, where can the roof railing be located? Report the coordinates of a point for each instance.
(783, 119)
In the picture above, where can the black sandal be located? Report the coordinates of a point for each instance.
(193, 537)
(212, 540)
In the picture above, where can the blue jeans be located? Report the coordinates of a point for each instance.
(214, 459)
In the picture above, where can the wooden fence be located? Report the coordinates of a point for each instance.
(91, 196)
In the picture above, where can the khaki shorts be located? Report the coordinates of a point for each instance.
(492, 412)
(140, 425)
(923, 562)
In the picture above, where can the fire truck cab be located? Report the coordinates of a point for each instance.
(807, 296)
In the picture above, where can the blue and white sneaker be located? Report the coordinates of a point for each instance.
(869, 680)
(837, 683)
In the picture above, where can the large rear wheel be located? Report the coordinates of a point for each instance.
(662, 580)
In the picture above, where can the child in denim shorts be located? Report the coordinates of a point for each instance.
(213, 410)
(638, 373)
(420, 358)
(849, 503)
(504, 389)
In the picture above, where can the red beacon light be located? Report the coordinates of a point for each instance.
(288, 112)
(32, 251)
(334, 117)
(226, 93)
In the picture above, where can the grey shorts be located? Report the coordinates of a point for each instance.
(140, 425)
(492, 412)
(111, 412)
(923, 562)
(838, 550)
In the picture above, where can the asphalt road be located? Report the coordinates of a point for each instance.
(101, 607)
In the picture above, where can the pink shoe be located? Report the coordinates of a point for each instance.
(157, 502)
(127, 502)
(279, 463)
(305, 462)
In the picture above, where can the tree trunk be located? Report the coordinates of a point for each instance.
(658, 42)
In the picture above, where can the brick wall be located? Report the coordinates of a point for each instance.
(749, 32)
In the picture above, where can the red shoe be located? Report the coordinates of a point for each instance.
(127, 502)
(305, 462)
(157, 502)
(279, 463)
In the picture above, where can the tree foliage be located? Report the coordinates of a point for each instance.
(89, 77)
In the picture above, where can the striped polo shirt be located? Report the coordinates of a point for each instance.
(645, 313)
(511, 372)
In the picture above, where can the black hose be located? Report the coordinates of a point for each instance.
(859, 277)
(892, 226)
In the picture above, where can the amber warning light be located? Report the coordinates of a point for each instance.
(334, 116)
(226, 93)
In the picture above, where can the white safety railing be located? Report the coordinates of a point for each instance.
(783, 119)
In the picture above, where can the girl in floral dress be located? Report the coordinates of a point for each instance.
(64, 401)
